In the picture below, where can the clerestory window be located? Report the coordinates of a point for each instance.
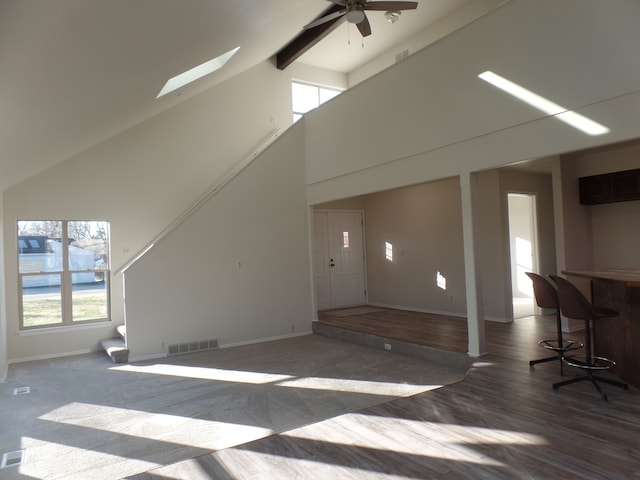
(63, 272)
(306, 97)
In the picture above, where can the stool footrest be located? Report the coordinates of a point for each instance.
(595, 363)
(566, 346)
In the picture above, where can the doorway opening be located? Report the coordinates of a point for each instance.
(523, 247)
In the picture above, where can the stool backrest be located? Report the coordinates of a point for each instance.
(545, 293)
(573, 304)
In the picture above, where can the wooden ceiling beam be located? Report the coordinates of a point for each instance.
(307, 39)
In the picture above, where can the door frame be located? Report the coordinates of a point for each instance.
(535, 246)
(312, 245)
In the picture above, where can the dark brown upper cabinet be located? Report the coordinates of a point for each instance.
(610, 187)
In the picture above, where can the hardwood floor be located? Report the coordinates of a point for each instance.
(517, 340)
(502, 421)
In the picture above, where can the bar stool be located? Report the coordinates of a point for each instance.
(547, 297)
(574, 304)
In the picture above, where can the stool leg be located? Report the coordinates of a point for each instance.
(560, 341)
(622, 385)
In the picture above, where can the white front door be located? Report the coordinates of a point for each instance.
(339, 259)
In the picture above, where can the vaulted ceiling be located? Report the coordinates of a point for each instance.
(76, 72)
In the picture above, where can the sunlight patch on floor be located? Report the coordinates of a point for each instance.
(257, 378)
(202, 373)
(357, 386)
(438, 440)
(191, 432)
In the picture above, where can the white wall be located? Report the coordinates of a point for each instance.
(430, 116)
(423, 223)
(143, 179)
(3, 309)
(427, 118)
(237, 270)
(610, 232)
(467, 12)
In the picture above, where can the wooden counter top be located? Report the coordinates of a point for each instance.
(629, 278)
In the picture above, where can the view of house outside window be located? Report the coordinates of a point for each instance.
(63, 270)
(306, 97)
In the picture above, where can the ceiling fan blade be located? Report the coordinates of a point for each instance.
(391, 6)
(325, 19)
(339, 2)
(364, 27)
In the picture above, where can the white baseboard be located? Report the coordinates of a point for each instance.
(263, 340)
(155, 356)
(498, 319)
(13, 361)
(152, 356)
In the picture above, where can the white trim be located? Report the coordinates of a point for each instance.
(224, 180)
(64, 328)
(50, 356)
(3, 377)
(269, 339)
(491, 318)
(155, 356)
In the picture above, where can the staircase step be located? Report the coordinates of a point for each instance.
(122, 331)
(116, 349)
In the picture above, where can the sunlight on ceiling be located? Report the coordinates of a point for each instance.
(577, 121)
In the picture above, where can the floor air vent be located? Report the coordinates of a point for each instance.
(21, 390)
(12, 459)
(195, 346)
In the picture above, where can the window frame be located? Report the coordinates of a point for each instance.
(66, 280)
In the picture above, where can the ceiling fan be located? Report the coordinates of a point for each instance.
(353, 11)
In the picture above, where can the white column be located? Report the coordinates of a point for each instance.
(475, 298)
(3, 311)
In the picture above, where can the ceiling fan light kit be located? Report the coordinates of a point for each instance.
(355, 16)
(353, 11)
(392, 16)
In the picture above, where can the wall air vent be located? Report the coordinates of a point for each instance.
(12, 459)
(21, 390)
(194, 346)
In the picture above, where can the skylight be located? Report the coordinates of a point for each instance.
(196, 73)
(580, 122)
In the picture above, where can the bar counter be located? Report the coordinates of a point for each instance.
(617, 338)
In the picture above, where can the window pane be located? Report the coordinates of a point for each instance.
(305, 97)
(327, 94)
(88, 245)
(39, 246)
(41, 305)
(89, 299)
